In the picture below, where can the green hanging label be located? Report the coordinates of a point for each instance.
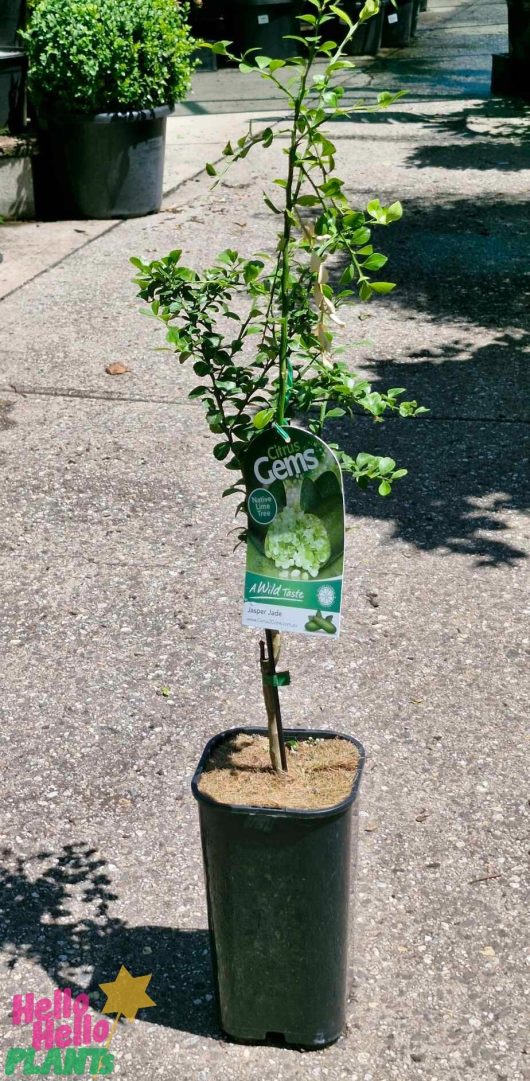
(295, 546)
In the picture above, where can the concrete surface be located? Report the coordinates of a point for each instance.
(30, 248)
(121, 603)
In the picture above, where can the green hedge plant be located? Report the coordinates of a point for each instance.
(92, 56)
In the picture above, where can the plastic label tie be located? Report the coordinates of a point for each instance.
(279, 679)
(281, 431)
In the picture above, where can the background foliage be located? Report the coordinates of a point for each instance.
(90, 56)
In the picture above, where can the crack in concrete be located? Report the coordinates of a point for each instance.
(109, 396)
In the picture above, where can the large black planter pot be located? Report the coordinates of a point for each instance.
(106, 166)
(11, 20)
(278, 887)
(13, 67)
(262, 25)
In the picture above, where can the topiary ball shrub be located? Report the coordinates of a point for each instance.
(94, 56)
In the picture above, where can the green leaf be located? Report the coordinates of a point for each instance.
(360, 236)
(138, 263)
(261, 419)
(370, 8)
(228, 257)
(219, 47)
(394, 212)
(268, 202)
(399, 473)
(341, 15)
(365, 291)
(246, 68)
(252, 270)
(386, 465)
(263, 62)
(348, 275)
(221, 450)
(385, 487)
(375, 262)
(336, 412)
(332, 186)
(382, 287)
(210, 169)
(202, 367)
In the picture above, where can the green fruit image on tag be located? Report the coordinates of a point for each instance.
(295, 543)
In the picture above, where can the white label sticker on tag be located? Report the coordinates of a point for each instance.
(393, 18)
(263, 20)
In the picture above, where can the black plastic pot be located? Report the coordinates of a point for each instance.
(366, 40)
(511, 71)
(397, 24)
(278, 885)
(415, 15)
(106, 166)
(262, 24)
(207, 23)
(13, 67)
(11, 20)
(519, 30)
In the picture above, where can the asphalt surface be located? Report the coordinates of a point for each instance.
(121, 605)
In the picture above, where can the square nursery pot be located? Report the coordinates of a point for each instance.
(106, 166)
(13, 67)
(278, 886)
(397, 24)
(366, 40)
(262, 25)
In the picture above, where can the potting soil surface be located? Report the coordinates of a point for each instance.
(320, 773)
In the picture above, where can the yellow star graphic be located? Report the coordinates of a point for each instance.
(126, 994)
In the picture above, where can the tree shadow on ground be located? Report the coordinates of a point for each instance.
(80, 952)
(490, 135)
(461, 267)
(461, 260)
(464, 479)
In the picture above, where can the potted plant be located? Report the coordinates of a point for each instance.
(103, 77)
(277, 808)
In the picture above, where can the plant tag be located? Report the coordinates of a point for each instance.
(392, 18)
(263, 20)
(295, 544)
